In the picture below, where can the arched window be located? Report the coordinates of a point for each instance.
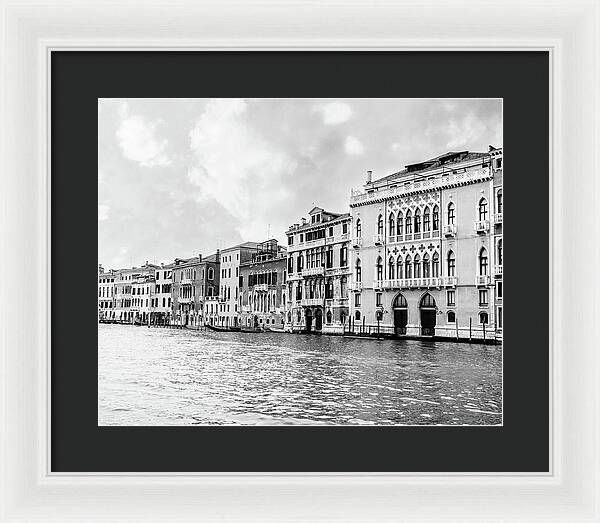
(328, 317)
(417, 268)
(391, 267)
(343, 318)
(343, 287)
(451, 263)
(426, 267)
(358, 270)
(379, 269)
(500, 251)
(451, 214)
(399, 268)
(435, 265)
(357, 315)
(427, 302)
(483, 318)
(483, 262)
(483, 209)
(399, 225)
(400, 302)
(408, 223)
(408, 267)
(499, 201)
(380, 225)
(358, 228)
(436, 218)
(451, 317)
(417, 221)
(392, 225)
(426, 220)
(300, 263)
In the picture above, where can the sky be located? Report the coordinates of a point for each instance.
(180, 177)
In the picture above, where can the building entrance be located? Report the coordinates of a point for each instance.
(400, 307)
(318, 320)
(308, 320)
(428, 312)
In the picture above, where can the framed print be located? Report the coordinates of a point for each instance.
(257, 262)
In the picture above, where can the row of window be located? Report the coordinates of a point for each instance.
(316, 235)
(316, 258)
(407, 223)
(416, 267)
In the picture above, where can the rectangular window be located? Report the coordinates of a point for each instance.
(499, 289)
(290, 240)
(499, 315)
(344, 228)
(379, 298)
(483, 297)
(451, 297)
(301, 238)
(357, 300)
(330, 231)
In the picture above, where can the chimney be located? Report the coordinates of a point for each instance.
(100, 268)
(218, 255)
(369, 176)
(199, 257)
(303, 221)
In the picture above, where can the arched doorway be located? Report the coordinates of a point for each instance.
(308, 319)
(428, 312)
(318, 319)
(400, 314)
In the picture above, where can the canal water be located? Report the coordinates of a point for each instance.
(156, 376)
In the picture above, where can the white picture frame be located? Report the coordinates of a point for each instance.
(567, 29)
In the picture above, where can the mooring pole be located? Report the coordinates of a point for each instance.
(470, 325)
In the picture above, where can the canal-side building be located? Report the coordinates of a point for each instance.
(262, 287)
(229, 292)
(161, 301)
(106, 293)
(193, 279)
(427, 248)
(132, 289)
(318, 273)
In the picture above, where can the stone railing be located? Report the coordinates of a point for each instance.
(481, 226)
(452, 180)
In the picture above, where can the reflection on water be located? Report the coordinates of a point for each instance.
(178, 377)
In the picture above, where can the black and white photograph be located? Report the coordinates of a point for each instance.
(300, 261)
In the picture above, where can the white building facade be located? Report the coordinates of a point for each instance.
(427, 249)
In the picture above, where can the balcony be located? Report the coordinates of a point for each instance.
(344, 237)
(498, 270)
(450, 230)
(482, 226)
(356, 286)
(313, 271)
(315, 243)
(357, 242)
(294, 276)
(412, 283)
(449, 281)
(263, 287)
(186, 300)
(498, 218)
(311, 302)
(482, 280)
(378, 239)
(338, 271)
(378, 285)
(186, 281)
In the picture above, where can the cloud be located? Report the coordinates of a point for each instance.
(103, 212)
(138, 142)
(353, 145)
(464, 131)
(335, 113)
(237, 167)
